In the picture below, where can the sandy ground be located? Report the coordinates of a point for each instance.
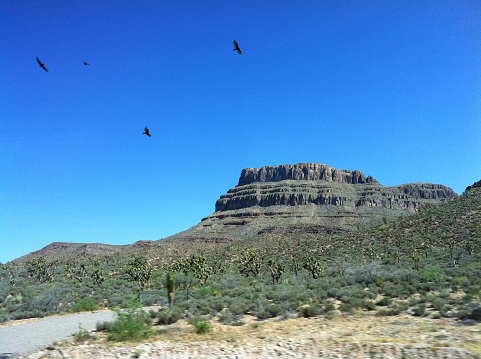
(355, 336)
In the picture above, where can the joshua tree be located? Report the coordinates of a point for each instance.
(314, 266)
(139, 270)
(98, 276)
(276, 270)
(200, 270)
(249, 263)
(38, 267)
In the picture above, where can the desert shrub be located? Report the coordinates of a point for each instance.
(102, 326)
(366, 273)
(168, 316)
(228, 281)
(4, 318)
(420, 310)
(397, 290)
(473, 290)
(274, 310)
(308, 311)
(22, 314)
(206, 292)
(48, 299)
(438, 303)
(217, 304)
(229, 318)
(81, 335)
(401, 275)
(384, 301)
(475, 314)
(329, 307)
(394, 309)
(433, 274)
(83, 305)
(207, 306)
(201, 326)
(132, 324)
(268, 311)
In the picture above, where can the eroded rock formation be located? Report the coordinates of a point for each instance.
(309, 195)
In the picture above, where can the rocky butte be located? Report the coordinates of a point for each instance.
(309, 197)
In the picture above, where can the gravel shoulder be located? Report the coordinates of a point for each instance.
(24, 336)
(355, 336)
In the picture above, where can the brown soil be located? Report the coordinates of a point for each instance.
(356, 336)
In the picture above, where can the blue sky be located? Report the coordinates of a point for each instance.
(390, 88)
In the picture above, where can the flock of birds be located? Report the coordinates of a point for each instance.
(146, 130)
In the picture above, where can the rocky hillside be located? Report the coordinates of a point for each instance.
(61, 250)
(314, 196)
(305, 198)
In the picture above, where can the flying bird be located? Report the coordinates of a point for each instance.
(41, 65)
(236, 48)
(85, 63)
(146, 132)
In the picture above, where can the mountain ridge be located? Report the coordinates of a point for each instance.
(305, 197)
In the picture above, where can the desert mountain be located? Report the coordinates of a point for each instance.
(302, 198)
(311, 197)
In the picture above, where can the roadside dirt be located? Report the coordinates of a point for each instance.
(356, 337)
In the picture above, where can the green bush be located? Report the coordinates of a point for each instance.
(82, 334)
(476, 314)
(84, 305)
(420, 310)
(308, 311)
(384, 301)
(240, 306)
(168, 316)
(132, 324)
(201, 326)
(229, 318)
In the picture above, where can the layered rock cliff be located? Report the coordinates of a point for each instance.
(311, 183)
(310, 196)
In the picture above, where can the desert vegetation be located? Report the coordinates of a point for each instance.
(425, 265)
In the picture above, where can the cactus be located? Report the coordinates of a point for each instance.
(170, 288)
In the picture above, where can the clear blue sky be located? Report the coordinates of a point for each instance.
(390, 88)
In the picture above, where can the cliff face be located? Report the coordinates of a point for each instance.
(311, 183)
(302, 172)
(308, 195)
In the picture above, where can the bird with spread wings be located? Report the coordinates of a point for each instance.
(41, 65)
(236, 48)
(146, 132)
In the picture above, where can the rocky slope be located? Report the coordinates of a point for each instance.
(302, 198)
(309, 195)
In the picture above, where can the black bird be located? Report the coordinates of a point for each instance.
(41, 65)
(146, 132)
(236, 48)
(85, 63)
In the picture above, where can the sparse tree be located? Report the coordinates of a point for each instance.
(199, 268)
(314, 266)
(98, 276)
(38, 268)
(249, 263)
(276, 269)
(139, 271)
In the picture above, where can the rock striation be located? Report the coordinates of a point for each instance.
(311, 183)
(302, 172)
(309, 196)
